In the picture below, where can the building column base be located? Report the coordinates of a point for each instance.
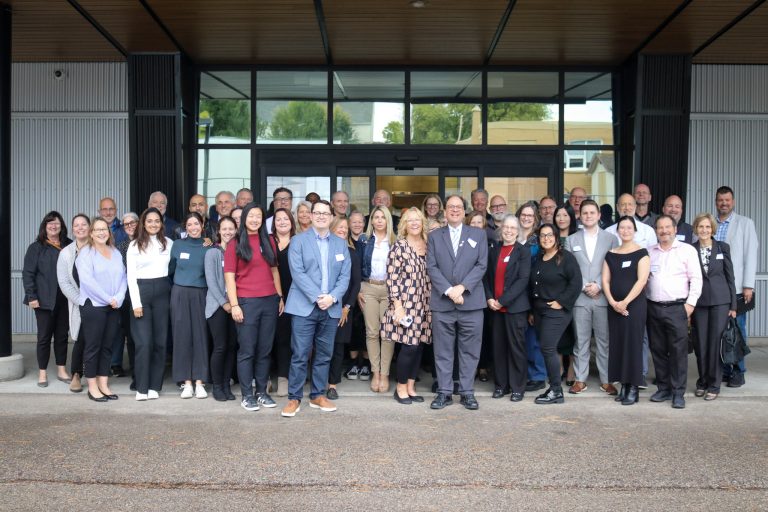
(11, 367)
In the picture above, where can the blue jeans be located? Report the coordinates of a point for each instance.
(537, 370)
(316, 330)
(728, 368)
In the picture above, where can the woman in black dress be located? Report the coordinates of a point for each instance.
(283, 229)
(625, 272)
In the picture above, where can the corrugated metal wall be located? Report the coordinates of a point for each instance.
(729, 146)
(69, 148)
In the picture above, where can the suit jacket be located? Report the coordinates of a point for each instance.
(39, 273)
(591, 271)
(718, 285)
(304, 261)
(685, 232)
(742, 239)
(514, 296)
(467, 268)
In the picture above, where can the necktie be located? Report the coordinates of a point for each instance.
(455, 236)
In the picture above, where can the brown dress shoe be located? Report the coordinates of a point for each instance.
(322, 403)
(291, 408)
(609, 388)
(577, 387)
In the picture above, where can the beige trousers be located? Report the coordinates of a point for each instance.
(376, 303)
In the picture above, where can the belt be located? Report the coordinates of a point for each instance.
(668, 303)
(375, 281)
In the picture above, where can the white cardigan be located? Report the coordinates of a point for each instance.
(64, 275)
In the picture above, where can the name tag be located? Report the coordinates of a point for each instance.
(471, 242)
(680, 237)
(654, 268)
(626, 264)
(576, 248)
(184, 256)
(719, 256)
(339, 257)
(222, 264)
(506, 260)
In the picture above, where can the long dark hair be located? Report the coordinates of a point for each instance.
(290, 217)
(244, 250)
(571, 226)
(198, 217)
(42, 236)
(555, 231)
(218, 226)
(142, 237)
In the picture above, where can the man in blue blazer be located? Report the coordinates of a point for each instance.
(320, 267)
(457, 256)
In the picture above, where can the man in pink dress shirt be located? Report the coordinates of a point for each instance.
(674, 287)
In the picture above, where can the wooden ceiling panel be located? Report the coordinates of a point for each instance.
(697, 23)
(253, 32)
(588, 32)
(52, 30)
(129, 23)
(449, 32)
(745, 43)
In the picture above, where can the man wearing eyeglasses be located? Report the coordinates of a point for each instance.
(160, 201)
(321, 268)
(281, 198)
(498, 211)
(547, 207)
(479, 200)
(577, 195)
(108, 211)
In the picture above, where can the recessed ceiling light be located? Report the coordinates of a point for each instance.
(418, 4)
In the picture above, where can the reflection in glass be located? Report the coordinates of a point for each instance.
(222, 169)
(369, 85)
(514, 84)
(293, 122)
(369, 122)
(358, 188)
(446, 84)
(225, 107)
(462, 186)
(446, 123)
(516, 191)
(300, 186)
(522, 123)
(597, 177)
(588, 108)
(408, 186)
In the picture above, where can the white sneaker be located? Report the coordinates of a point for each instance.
(153, 395)
(186, 391)
(140, 397)
(200, 391)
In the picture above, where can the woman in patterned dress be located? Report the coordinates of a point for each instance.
(409, 287)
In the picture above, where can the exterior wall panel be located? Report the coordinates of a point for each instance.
(730, 89)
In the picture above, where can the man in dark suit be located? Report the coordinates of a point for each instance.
(457, 257)
(382, 198)
(673, 206)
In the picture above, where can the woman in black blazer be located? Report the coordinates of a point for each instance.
(506, 291)
(716, 304)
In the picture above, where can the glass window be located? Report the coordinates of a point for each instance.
(588, 108)
(523, 123)
(222, 169)
(361, 114)
(598, 178)
(369, 85)
(225, 107)
(448, 85)
(358, 188)
(462, 186)
(523, 85)
(408, 186)
(291, 107)
(300, 186)
(516, 191)
(446, 123)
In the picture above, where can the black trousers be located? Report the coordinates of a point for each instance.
(486, 350)
(510, 359)
(77, 352)
(550, 325)
(150, 333)
(337, 362)
(708, 325)
(408, 362)
(52, 323)
(282, 345)
(125, 335)
(668, 340)
(100, 324)
(190, 334)
(224, 336)
(256, 335)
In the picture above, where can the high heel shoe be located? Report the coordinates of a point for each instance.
(623, 393)
(633, 395)
(98, 399)
(404, 401)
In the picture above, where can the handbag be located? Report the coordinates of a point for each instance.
(742, 306)
(733, 347)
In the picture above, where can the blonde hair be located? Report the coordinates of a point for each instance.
(705, 216)
(402, 230)
(92, 227)
(388, 217)
(472, 215)
(338, 220)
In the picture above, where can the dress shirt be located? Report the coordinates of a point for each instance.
(101, 279)
(590, 242)
(379, 259)
(152, 263)
(675, 274)
(722, 228)
(322, 244)
(455, 237)
(645, 236)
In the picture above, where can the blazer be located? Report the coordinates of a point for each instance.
(717, 285)
(742, 239)
(467, 268)
(514, 296)
(350, 297)
(65, 274)
(304, 261)
(591, 271)
(39, 274)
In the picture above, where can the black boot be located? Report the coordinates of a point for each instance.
(633, 395)
(218, 393)
(228, 391)
(554, 395)
(623, 393)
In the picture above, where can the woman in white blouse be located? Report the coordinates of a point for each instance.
(150, 291)
(374, 298)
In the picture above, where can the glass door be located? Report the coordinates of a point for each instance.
(357, 183)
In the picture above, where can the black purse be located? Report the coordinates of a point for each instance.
(733, 348)
(742, 306)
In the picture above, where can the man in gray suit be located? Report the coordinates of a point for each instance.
(738, 232)
(589, 246)
(457, 256)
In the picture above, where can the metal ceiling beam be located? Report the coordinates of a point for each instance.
(164, 28)
(99, 27)
(729, 26)
(499, 31)
(320, 14)
(669, 19)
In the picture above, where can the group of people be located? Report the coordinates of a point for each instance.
(241, 294)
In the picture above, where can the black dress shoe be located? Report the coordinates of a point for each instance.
(700, 392)
(434, 386)
(404, 401)
(678, 402)
(661, 395)
(623, 393)
(551, 396)
(736, 380)
(534, 385)
(469, 402)
(117, 371)
(332, 394)
(516, 397)
(417, 398)
(440, 401)
(632, 395)
(498, 393)
(99, 399)
(112, 397)
(482, 375)
(132, 387)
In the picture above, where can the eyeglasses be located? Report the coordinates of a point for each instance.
(109, 209)
(547, 235)
(432, 205)
(283, 198)
(101, 230)
(130, 224)
(454, 207)
(495, 206)
(322, 214)
(527, 216)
